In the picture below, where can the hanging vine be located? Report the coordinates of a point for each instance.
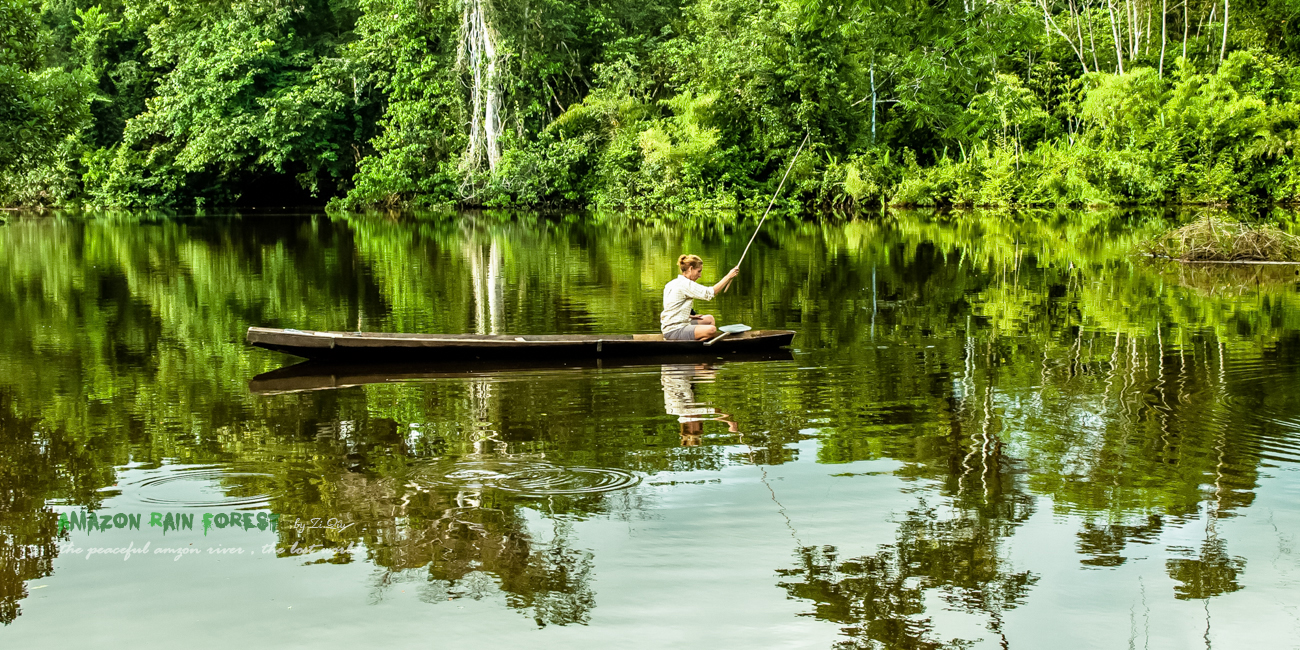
(478, 56)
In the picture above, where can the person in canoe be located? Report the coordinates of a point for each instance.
(677, 321)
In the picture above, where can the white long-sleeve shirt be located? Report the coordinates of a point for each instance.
(679, 298)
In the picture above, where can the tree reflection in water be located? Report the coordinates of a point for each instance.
(466, 549)
(1212, 573)
(37, 465)
(1102, 544)
(449, 542)
(996, 358)
(27, 526)
(953, 550)
(454, 544)
(879, 600)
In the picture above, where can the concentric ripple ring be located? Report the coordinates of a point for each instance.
(529, 478)
(202, 487)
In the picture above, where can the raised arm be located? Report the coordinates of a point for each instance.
(726, 280)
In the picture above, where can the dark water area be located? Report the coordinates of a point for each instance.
(990, 431)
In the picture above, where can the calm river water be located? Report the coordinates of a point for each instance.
(991, 431)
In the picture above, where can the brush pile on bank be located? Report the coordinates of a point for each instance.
(1214, 239)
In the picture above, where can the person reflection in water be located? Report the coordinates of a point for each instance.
(690, 433)
(679, 399)
(677, 321)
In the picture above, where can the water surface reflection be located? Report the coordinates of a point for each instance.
(984, 417)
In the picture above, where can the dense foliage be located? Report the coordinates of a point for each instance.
(649, 104)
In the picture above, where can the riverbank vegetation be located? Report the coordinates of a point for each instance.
(652, 104)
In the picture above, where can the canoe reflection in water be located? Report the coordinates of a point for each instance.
(678, 380)
(324, 375)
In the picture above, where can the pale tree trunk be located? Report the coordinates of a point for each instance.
(1164, 8)
(873, 102)
(1210, 22)
(1049, 23)
(1125, 40)
(1114, 33)
(1135, 31)
(1186, 26)
(1148, 32)
(1092, 39)
(1224, 49)
(1078, 31)
(1130, 13)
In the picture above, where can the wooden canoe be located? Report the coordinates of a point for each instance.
(377, 346)
(327, 375)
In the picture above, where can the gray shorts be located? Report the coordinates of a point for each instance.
(683, 334)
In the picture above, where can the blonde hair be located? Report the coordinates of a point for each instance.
(688, 262)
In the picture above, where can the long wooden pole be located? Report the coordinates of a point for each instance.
(773, 201)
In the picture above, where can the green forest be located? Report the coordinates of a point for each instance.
(648, 104)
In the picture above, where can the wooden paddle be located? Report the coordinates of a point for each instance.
(727, 329)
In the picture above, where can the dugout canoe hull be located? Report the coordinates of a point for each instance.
(327, 375)
(379, 346)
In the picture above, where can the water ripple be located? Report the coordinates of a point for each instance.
(200, 487)
(529, 478)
